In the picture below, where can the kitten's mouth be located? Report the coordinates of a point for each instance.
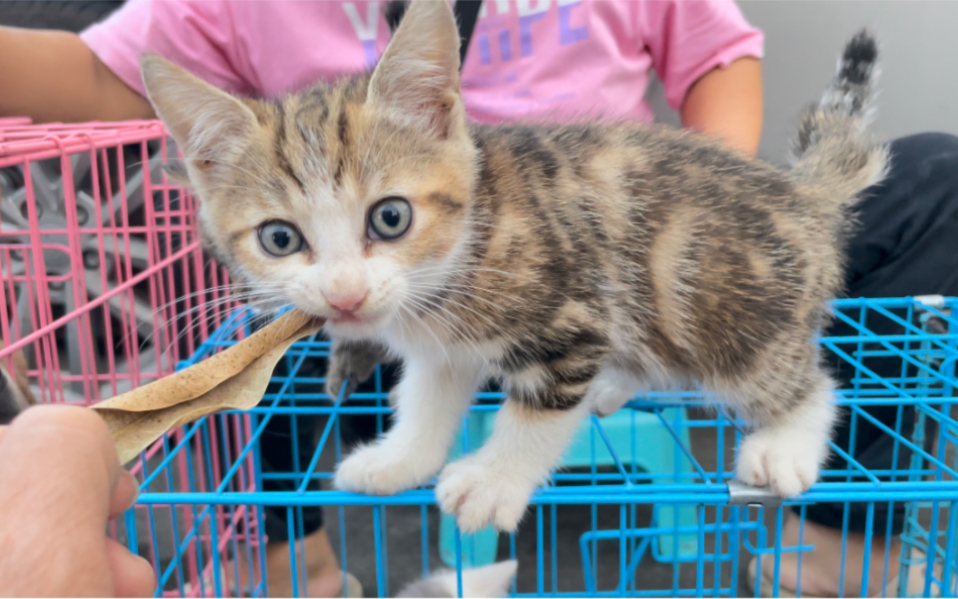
(347, 317)
(351, 318)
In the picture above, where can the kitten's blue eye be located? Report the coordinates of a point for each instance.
(390, 218)
(279, 238)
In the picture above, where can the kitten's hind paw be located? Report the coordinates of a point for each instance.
(782, 460)
(611, 390)
(478, 495)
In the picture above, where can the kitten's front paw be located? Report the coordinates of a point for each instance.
(382, 470)
(784, 461)
(478, 494)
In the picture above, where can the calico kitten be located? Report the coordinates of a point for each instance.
(580, 264)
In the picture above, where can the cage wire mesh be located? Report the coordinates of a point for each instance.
(104, 287)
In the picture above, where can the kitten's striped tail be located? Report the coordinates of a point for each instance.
(833, 150)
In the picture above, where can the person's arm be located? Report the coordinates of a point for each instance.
(53, 76)
(727, 104)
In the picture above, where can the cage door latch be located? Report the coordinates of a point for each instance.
(740, 494)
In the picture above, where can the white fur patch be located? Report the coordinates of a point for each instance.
(494, 485)
(488, 581)
(430, 401)
(787, 457)
(611, 389)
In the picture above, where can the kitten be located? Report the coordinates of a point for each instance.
(487, 581)
(15, 394)
(580, 264)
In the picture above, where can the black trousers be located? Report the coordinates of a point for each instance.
(906, 244)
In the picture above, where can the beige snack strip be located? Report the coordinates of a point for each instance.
(235, 378)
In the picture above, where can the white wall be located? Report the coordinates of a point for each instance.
(803, 39)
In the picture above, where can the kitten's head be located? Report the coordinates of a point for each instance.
(487, 581)
(348, 200)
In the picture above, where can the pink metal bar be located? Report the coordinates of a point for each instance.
(84, 296)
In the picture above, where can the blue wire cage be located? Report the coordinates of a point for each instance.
(646, 504)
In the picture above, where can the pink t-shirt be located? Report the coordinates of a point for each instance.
(538, 59)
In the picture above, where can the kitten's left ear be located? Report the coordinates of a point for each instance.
(417, 80)
(206, 122)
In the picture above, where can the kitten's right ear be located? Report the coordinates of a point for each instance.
(205, 122)
(417, 80)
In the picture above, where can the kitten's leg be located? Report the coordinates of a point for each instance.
(430, 401)
(532, 430)
(611, 389)
(493, 485)
(786, 452)
(352, 361)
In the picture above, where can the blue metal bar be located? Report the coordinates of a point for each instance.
(800, 554)
(866, 559)
(881, 339)
(385, 552)
(612, 452)
(777, 572)
(377, 539)
(717, 566)
(540, 562)
(910, 445)
(854, 462)
(255, 437)
(685, 450)
(554, 539)
(291, 540)
(512, 556)
(330, 424)
(622, 567)
(224, 426)
(700, 558)
(587, 568)
(175, 524)
(822, 492)
(176, 449)
(841, 575)
(198, 544)
(458, 562)
(760, 541)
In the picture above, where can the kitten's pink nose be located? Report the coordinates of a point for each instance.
(347, 302)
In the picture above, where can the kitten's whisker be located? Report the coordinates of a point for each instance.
(462, 331)
(430, 331)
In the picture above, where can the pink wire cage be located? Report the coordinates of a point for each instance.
(104, 287)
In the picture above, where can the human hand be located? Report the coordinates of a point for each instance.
(60, 483)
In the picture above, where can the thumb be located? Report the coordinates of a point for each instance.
(132, 575)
